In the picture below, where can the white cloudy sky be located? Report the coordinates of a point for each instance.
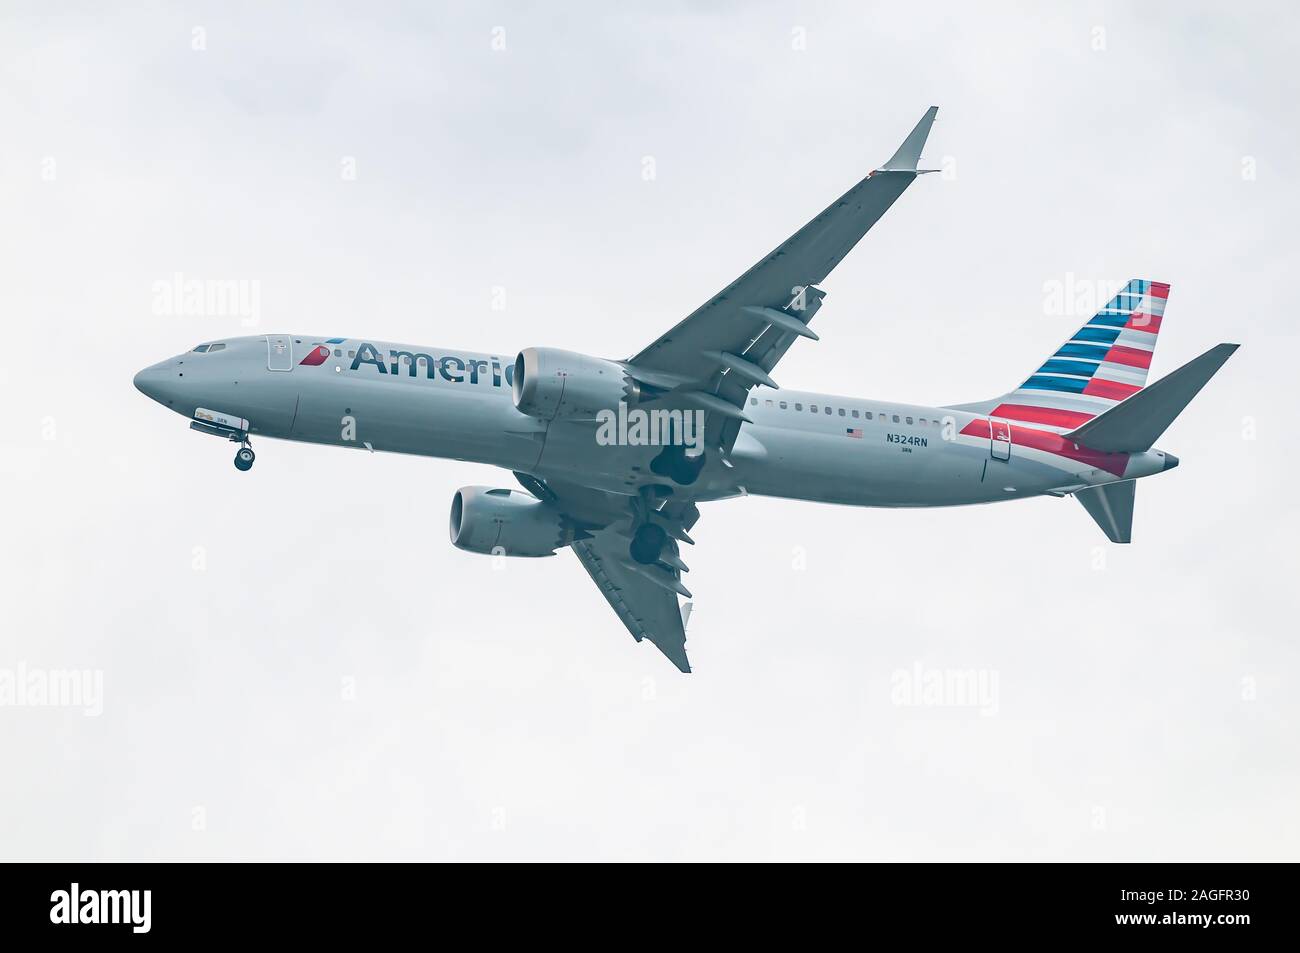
(1146, 700)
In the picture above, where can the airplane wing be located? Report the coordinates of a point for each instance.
(710, 361)
(731, 342)
(645, 597)
(648, 608)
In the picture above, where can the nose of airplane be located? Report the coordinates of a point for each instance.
(153, 383)
(1171, 461)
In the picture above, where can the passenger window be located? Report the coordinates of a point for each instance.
(798, 406)
(813, 408)
(783, 405)
(753, 401)
(216, 347)
(352, 353)
(895, 418)
(922, 421)
(855, 413)
(768, 402)
(841, 411)
(909, 421)
(867, 414)
(828, 410)
(338, 352)
(201, 349)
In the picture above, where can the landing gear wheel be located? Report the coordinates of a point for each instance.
(244, 458)
(648, 543)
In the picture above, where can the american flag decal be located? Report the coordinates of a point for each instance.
(854, 432)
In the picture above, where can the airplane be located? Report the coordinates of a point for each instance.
(614, 456)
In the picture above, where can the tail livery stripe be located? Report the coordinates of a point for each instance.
(1077, 368)
(1047, 382)
(1096, 335)
(1054, 443)
(1082, 350)
(1130, 356)
(1065, 419)
(1149, 323)
(1106, 360)
(1111, 390)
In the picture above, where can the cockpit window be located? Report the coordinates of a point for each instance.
(200, 349)
(216, 347)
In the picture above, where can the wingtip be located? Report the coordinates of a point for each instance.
(908, 155)
(676, 654)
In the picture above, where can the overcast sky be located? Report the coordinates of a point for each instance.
(296, 663)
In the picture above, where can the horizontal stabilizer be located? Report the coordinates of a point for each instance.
(1137, 423)
(1112, 507)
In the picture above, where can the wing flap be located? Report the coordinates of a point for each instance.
(647, 609)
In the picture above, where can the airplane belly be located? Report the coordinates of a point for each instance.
(573, 452)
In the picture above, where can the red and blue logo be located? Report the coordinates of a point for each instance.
(315, 356)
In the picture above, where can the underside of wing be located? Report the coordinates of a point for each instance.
(643, 593)
(648, 609)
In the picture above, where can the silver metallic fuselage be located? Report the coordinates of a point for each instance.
(458, 405)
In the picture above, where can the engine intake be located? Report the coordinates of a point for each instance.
(506, 522)
(552, 384)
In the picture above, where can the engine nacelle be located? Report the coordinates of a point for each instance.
(550, 384)
(506, 522)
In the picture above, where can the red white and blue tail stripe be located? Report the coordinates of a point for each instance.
(1104, 362)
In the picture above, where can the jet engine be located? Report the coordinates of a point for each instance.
(552, 384)
(507, 523)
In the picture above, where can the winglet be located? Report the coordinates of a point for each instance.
(909, 153)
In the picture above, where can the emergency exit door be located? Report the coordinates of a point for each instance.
(1000, 439)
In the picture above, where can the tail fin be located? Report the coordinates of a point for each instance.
(1137, 424)
(1103, 363)
(1112, 507)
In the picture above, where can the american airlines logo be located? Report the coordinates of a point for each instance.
(450, 367)
(97, 907)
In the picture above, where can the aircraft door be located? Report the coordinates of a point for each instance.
(1000, 439)
(279, 352)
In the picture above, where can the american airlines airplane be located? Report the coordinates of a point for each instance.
(613, 456)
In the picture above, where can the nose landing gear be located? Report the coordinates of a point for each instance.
(244, 457)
